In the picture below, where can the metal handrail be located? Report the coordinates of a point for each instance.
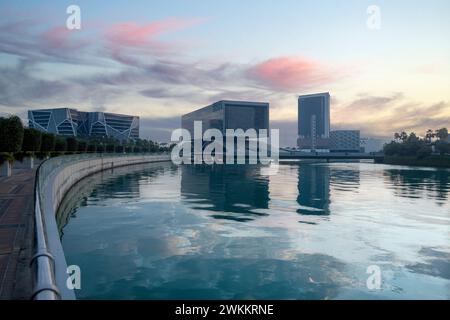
(44, 287)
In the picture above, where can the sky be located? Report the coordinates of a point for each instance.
(160, 59)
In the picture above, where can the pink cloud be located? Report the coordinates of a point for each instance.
(57, 37)
(61, 38)
(135, 35)
(290, 73)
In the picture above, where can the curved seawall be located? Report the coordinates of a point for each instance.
(54, 179)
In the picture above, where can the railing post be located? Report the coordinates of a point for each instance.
(5, 169)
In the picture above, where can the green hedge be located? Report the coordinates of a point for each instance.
(17, 142)
(48, 142)
(430, 161)
(11, 134)
(32, 140)
(72, 144)
(60, 144)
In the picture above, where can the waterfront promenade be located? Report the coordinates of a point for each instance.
(18, 227)
(16, 234)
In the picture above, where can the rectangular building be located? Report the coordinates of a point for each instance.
(71, 122)
(226, 114)
(314, 121)
(345, 141)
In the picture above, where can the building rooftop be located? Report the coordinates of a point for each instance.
(231, 102)
(314, 95)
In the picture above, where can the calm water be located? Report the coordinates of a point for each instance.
(160, 231)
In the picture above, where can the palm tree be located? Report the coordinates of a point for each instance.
(429, 136)
(403, 136)
(442, 134)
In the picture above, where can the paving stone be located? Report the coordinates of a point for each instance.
(16, 234)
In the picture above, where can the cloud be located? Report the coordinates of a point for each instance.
(159, 129)
(420, 117)
(139, 63)
(288, 131)
(291, 73)
(130, 34)
(134, 66)
(381, 116)
(26, 39)
(59, 37)
(18, 87)
(371, 103)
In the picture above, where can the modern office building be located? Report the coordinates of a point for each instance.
(314, 121)
(243, 194)
(345, 141)
(225, 115)
(71, 122)
(314, 190)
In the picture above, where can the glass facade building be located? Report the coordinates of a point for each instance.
(71, 122)
(314, 121)
(225, 115)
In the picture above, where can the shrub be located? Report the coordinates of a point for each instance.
(442, 147)
(110, 148)
(11, 134)
(48, 142)
(120, 149)
(19, 156)
(92, 148)
(41, 155)
(82, 146)
(6, 156)
(424, 152)
(56, 154)
(32, 140)
(100, 148)
(72, 144)
(60, 144)
(391, 148)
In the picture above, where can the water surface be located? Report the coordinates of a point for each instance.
(160, 231)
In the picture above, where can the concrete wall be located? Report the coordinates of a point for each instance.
(52, 192)
(26, 163)
(5, 169)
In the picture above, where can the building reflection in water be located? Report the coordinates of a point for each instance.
(431, 184)
(344, 177)
(233, 191)
(316, 182)
(313, 190)
(236, 192)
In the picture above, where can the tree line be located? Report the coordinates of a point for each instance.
(16, 142)
(404, 144)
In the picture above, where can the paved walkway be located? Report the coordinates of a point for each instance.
(16, 234)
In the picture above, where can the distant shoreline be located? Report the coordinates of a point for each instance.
(431, 161)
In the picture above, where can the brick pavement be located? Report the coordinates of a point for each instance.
(16, 234)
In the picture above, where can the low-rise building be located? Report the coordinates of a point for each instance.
(71, 122)
(345, 141)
